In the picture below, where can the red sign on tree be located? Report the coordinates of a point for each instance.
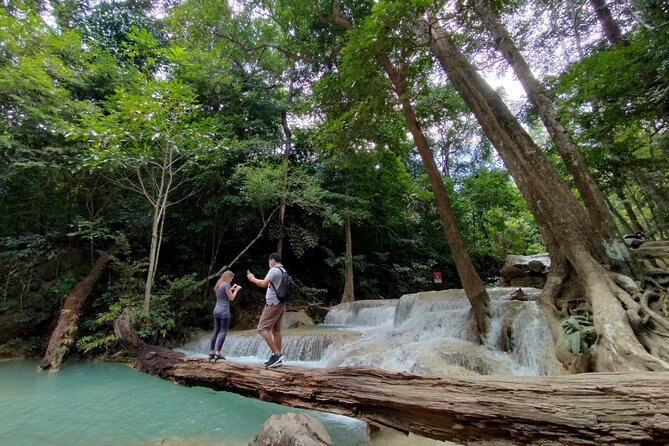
(437, 276)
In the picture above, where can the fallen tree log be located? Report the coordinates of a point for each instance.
(585, 409)
(64, 334)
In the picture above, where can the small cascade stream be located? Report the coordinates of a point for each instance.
(424, 333)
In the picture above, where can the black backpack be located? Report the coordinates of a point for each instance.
(286, 286)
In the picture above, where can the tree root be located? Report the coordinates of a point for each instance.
(618, 348)
(637, 304)
(656, 343)
(557, 282)
(655, 317)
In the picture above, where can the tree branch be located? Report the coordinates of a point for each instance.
(243, 251)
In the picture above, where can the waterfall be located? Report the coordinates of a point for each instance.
(425, 333)
(430, 334)
(298, 345)
(362, 313)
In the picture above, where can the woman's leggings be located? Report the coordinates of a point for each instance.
(220, 332)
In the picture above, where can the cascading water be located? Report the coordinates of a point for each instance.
(305, 346)
(363, 313)
(424, 333)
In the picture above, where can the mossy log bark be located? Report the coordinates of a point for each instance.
(586, 409)
(64, 334)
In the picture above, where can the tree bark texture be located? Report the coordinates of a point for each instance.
(565, 227)
(592, 197)
(64, 335)
(585, 409)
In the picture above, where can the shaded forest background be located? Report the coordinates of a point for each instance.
(198, 135)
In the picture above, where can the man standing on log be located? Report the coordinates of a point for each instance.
(269, 326)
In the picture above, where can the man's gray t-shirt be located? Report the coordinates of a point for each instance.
(274, 275)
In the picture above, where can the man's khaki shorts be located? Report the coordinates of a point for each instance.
(270, 319)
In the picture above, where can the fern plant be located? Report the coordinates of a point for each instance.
(579, 332)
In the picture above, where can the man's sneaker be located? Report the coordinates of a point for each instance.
(270, 360)
(275, 361)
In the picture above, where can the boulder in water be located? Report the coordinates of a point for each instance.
(290, 429)
(294, 319)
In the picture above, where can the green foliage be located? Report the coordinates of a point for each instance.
(209, 53)
(413, 276)
(615, 98)
(179, 306)
(172, 301)
(62, 351)
(19, 259)
(32, 286)
(261, 184)
(157, 326)
(159, 124)
(580, 333)
(312, 294)
(201, 101)
(125, 291)
(90, 230)
(129, 34)
(142, 49)
(95, 343)
(495, 217)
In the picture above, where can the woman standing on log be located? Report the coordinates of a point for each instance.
(225, 292)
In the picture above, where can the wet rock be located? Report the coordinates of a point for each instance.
(635, 240)
(536, 267)
(509, 272)
(292, 429)
(519, 294)
(530, 282)
(317, 312)
(247, 321)
(525, 271)
(294, 319)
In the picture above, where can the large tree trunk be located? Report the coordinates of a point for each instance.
(560, 217)
(349, 290)
(585, 409)
(592, 197)
(471, 282)
(609, 26)
(63, 337)
(286, 157)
